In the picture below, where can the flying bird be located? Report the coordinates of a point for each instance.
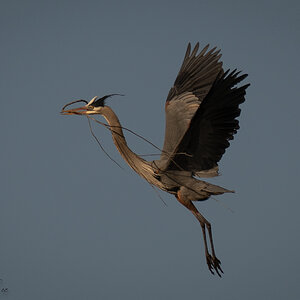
(201, 112)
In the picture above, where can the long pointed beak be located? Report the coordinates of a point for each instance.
(75, 111)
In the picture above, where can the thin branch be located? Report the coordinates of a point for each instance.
(124, 128)
(157, 193)
(68, 104)
(102, 146)
(109, 127)
(223, 204)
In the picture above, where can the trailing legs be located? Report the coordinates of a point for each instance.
(212, 261)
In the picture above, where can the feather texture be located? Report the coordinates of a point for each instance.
(201, 113)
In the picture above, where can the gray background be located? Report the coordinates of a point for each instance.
(75, 226)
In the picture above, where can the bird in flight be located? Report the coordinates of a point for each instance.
(201, 112)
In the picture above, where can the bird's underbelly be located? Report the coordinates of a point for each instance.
(190, 188)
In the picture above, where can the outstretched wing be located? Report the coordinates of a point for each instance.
(212, 126)
(194, 80)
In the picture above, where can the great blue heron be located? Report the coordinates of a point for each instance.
(201, 117)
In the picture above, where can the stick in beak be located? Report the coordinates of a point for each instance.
(75, 111)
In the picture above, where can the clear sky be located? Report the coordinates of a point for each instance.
(75, 226)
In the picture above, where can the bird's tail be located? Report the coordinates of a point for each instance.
(215, 189)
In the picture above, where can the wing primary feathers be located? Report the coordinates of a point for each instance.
(188, 51)
(201, 112)
(196, 48)
(204, 50)
(213, 125)
(196, 76)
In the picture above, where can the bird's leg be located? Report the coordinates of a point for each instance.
(212, 261)
(207, 254)
(208, 226)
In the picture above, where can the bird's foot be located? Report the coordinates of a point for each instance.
(214, 264)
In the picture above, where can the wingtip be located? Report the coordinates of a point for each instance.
(195, 50)
(204, 50)
(188, 50)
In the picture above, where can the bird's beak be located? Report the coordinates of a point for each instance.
(75, 111)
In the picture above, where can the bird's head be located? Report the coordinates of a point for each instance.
(94, 107)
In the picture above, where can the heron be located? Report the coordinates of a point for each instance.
(201, 112)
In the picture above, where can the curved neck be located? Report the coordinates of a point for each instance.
(138, 164)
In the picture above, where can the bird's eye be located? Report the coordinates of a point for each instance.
(90, 107)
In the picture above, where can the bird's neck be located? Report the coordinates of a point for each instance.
(138, 164)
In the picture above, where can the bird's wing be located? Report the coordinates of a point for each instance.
(211, 128)
(194, 80)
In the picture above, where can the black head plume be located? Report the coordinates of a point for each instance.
(101, 101)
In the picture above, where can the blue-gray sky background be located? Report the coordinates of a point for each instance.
(75, 226)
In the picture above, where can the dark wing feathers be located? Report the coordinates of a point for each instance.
(201, 113)
(212, 126)
(194, 80)
(197, 73)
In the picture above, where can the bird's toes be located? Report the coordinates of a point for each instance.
(214, 265)
(217, 266)
(209, 261)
